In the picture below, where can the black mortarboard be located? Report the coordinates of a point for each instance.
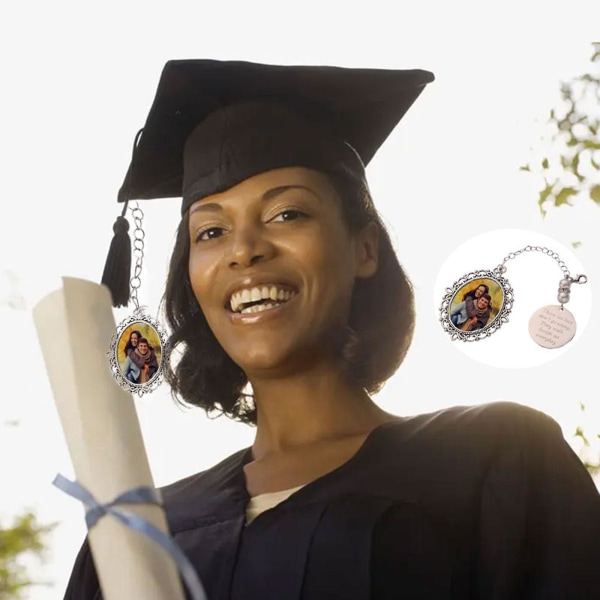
(213, 124)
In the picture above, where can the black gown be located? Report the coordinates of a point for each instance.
(485, 502)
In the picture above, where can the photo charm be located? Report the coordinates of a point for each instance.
(139, 346)
(476, 306)
(137, 351)
(480, 302)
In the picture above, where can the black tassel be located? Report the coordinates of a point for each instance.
(117, 270)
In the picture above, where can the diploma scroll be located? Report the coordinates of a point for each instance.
(103, 435)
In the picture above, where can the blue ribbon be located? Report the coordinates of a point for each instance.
(140, 495)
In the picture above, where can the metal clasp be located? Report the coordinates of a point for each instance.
(579, 279)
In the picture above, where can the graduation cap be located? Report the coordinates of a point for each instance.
(214, 124)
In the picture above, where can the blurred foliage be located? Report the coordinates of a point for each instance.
(569, 172)
(570, 167)
(24, 537)
(590, 451)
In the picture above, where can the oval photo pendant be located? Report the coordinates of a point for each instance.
(137, 353)
(552, 326)
(476, 306)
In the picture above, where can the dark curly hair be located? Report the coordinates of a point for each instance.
(379, 331)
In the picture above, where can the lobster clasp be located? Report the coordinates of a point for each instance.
(579, 279)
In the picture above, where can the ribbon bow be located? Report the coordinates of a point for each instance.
(140, 495)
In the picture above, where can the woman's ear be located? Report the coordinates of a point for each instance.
(367, 244)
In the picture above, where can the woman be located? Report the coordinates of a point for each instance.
(130, 369)
(283, 276)
(132, 342)
(479, 291)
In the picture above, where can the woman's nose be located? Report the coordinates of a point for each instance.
(250, 245)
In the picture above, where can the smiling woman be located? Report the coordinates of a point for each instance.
(308, 260)
(284, 277)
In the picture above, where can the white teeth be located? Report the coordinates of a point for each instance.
(258, 308)
(259, 293)
(245, 296)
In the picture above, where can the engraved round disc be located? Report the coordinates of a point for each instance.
(552, 327)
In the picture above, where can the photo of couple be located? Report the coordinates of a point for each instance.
(476, 304)
(139, 353)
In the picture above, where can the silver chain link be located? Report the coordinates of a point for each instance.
(544, 250)
(138, 252)
(564, 286)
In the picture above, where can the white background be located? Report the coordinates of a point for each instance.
(77, 82)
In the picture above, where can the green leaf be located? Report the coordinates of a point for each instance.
(544, 196)
(595, 194)
(563, 196)
(545, 163)
(591, 145)
(545, 193)
(525, 168)
(575, 162)
(574, 166)
(575, 244)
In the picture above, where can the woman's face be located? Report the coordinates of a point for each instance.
(480, 291)
(133, 339)
(281, 235)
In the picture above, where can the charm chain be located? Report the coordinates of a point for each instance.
(564, 286)
(138, 251)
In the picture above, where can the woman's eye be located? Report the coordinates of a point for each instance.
(289, 215)
(207, 234)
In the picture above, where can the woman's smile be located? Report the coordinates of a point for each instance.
(256, 294)
(264, 311)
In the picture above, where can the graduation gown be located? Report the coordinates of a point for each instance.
(484, 502)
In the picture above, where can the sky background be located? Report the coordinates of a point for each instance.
(76, 95)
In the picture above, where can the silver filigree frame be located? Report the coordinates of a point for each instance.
(501, 318)
(138, 388)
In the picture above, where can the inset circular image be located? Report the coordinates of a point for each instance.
(473, 305)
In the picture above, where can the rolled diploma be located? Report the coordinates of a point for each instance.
(75, 326)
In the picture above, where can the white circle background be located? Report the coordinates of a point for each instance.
(534, 277)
